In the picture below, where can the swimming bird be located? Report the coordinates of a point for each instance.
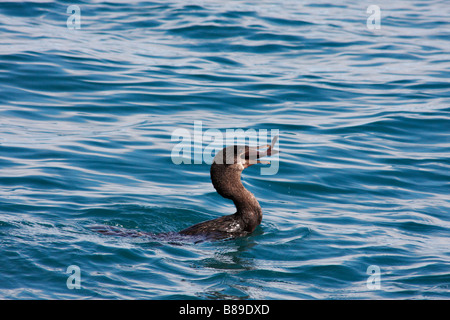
(225, 171)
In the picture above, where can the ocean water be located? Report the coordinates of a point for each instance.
(359, 207)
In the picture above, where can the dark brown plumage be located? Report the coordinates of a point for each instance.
(226, 178)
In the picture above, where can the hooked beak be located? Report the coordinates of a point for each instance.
(253, 154)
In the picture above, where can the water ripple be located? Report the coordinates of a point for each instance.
(87, 116)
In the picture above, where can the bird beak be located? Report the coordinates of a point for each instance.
(253, 154)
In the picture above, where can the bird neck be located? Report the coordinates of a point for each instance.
(247, 208)
(229, 185)
(244, 200)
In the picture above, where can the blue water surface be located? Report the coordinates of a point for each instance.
(87, 118)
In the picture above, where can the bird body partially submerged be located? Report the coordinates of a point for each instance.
(226, 178)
